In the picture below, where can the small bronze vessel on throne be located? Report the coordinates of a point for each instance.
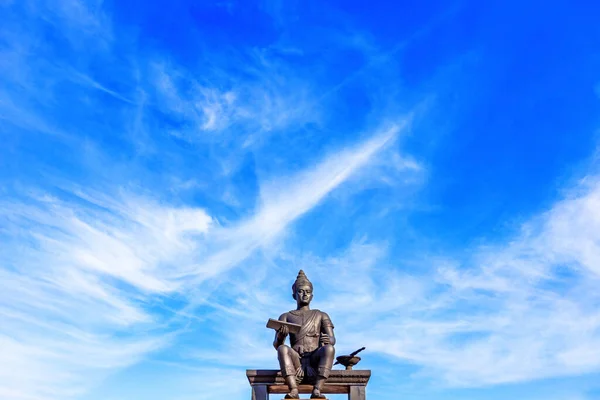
(350, 360)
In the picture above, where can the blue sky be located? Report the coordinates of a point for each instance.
(167, 167)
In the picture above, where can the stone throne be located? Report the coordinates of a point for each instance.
(269, 381)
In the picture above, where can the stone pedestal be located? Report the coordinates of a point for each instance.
(269, 381)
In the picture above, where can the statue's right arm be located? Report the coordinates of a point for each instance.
(280, 339)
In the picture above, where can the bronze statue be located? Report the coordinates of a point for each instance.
(311, 353)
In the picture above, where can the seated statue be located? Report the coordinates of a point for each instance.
(311, 353)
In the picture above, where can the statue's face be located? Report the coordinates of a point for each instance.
(303, 294)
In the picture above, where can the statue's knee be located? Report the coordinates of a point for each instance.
(283, 350)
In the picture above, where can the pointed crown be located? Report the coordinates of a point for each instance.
(301, 279)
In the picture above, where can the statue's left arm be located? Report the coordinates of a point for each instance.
(327, 328)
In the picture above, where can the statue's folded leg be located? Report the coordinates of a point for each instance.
(323, 359)
(289, 362)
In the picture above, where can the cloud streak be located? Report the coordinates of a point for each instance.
(75, 289)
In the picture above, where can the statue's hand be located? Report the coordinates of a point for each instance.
(325, 339)
(283, 331)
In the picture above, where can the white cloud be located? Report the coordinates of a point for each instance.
(76, 277)
(212, 104)
(178, 382)
(285, 199)
(83, 23)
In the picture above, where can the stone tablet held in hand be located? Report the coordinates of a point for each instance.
(276, 324)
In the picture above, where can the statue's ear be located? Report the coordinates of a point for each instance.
(294, 295)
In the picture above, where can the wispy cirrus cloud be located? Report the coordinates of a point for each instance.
(76, 279)
(268, 99)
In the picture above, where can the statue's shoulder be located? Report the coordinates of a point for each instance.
(324, 317)
(283, 317)
(322, 313)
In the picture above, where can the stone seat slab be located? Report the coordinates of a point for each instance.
(270, 381)
(336, 377)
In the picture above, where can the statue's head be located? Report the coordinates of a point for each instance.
(302, 289)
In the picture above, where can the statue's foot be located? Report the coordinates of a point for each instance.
(316, 394)
(293, 394)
